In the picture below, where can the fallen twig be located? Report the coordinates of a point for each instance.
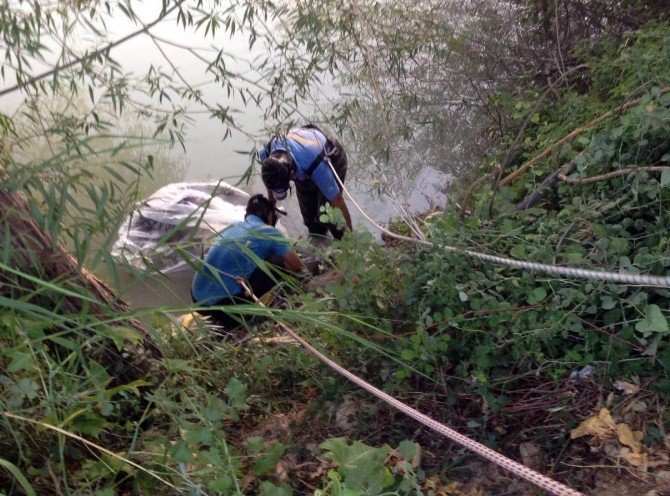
(620, 172)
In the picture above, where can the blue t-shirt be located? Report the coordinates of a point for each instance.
(230, 255)
(305, 145)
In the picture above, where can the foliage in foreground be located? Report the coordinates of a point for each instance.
(493, 333)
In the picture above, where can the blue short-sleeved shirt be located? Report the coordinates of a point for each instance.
(230, 255)
(305, 145)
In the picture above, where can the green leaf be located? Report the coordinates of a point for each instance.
(518, 251)
(179, 365)
(269, 489)
(608, 302)
(237, 393)
(620, 245)
(407, 354)
(254, 443)
(20, 478)
(538, 295)
(221, 484)
(88, 424)
(119, 334)
(654, 321)
(362, 466)
(665, 178)
(408, 450)
(201, 435)
(20, 360)
(181, 453)
(268, 462)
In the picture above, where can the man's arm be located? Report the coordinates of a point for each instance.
(338, 202)
(292, 262)
(271, 197)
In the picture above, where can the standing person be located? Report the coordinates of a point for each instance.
(235, 255)
(304, 155)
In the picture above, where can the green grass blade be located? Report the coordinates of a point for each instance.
(21, 479)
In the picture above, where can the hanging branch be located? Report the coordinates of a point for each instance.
(94, 53)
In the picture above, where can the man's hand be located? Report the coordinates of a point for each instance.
(292, 262)
(338, 202)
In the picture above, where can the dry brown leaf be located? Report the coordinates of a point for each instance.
(627, 387)
(635, 459)
(601, 425)
(629, 438)
(450, 489)
(531, 455)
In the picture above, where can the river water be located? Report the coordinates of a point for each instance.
(206, 156)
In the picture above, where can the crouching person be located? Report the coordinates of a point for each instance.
(236, 255)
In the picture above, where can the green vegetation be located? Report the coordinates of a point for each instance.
(95, 401)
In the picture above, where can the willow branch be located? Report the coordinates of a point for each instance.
(81, 59)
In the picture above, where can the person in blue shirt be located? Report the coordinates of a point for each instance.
(304, 155)
(234, 256)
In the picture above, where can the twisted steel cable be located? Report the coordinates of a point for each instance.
(559, 270)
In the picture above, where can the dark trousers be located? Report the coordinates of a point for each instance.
(259, 282)
(311, 199)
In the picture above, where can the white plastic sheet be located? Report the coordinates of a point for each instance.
(175, 222)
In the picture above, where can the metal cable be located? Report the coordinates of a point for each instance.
(516, 468)
(597, 275)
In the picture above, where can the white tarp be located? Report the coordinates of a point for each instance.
(174, 222)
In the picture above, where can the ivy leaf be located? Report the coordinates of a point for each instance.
(518, 251)
(654, 321)
(608, 302)
(537, 295)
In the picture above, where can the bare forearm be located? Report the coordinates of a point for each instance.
(293, 262)
(338, 202)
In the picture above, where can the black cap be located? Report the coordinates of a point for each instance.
(260, 206)
(276, 172)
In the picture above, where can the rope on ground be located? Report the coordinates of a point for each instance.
(597, 275)
(541, 481)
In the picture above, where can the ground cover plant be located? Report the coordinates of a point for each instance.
(563, 374)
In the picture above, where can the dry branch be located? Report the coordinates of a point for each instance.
(548, 184)
(620, 172)
(547, 151)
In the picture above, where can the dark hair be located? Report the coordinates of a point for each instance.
(276, 171)
(261, 207)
